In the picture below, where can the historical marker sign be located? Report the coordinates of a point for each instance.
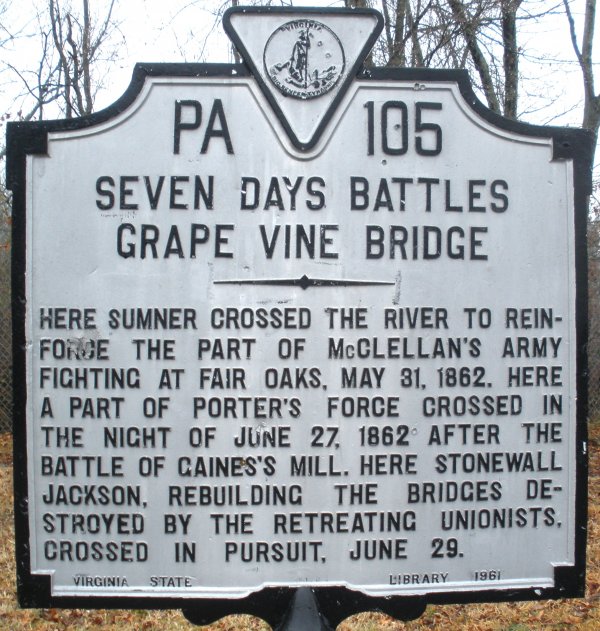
(284, 324)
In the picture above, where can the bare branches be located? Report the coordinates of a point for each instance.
(469, 30)
(591, 113)
(483, 36)
(398, 48)
(56, 23)
(584, 61)
(510, 56)
(487, 37)
(78, 45)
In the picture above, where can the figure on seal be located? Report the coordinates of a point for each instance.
(297, 64)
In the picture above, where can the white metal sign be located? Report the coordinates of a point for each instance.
(301, 327)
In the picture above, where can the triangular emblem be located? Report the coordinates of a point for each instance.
(303, 59)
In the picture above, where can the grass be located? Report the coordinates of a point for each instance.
(582, 614)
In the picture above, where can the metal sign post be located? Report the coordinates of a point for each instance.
(296, 327)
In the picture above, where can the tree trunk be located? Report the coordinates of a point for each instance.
(57, 36)
(470, 34)
(413, 28)
(511, 56)
(398, 52)
(591, 112)
(86, 58)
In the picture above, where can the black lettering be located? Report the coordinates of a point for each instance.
(179, 125)
(217, 114)
(105, 192)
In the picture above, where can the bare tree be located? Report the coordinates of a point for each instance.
(402, 32)
(470, 27)
(483, 36)
(72, 51)
(510, 51)
(78, 40)
(41, 83)
(583, 51)
(470, 34)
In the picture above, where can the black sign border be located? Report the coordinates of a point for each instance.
(336, 603)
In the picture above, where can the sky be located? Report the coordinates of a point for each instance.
(187, 30)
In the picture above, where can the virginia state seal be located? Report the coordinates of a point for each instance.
(304, 59)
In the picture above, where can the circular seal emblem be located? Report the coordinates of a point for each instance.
(304, 59)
